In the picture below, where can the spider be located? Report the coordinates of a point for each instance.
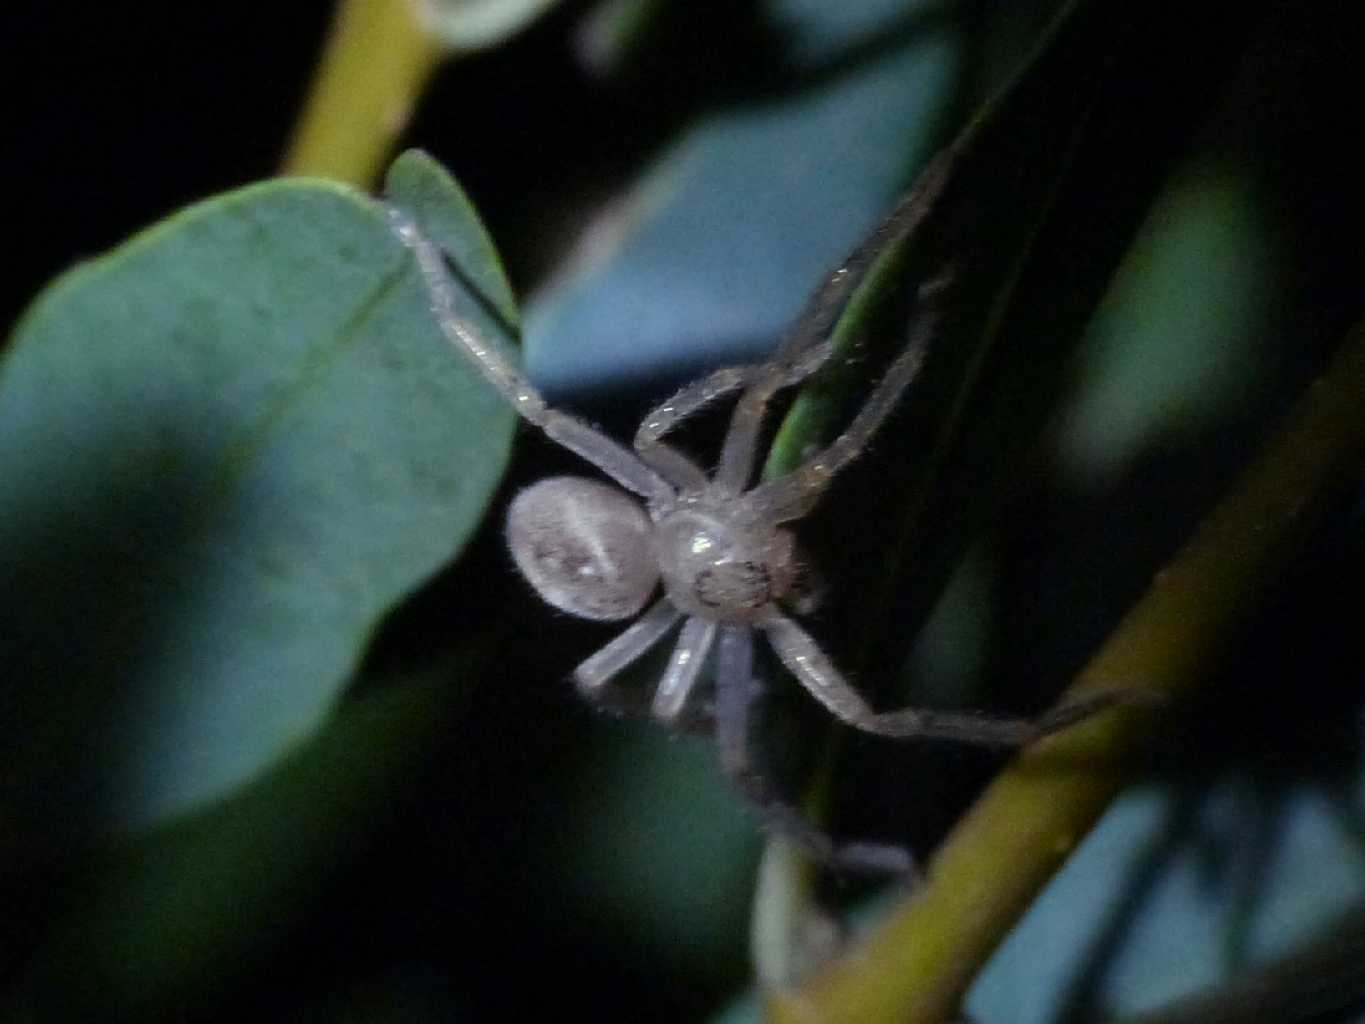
(721, 545)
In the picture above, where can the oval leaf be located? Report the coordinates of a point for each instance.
(711, 255)
(436, 201)
(227, 448)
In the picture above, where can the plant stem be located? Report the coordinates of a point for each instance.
(916, 965)
(376, 62)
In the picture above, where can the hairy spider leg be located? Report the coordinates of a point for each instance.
(684, 668)
(694, 397)
(739, 454)
(739, 451)
(594, 675)
(794, 494)
(994, 730)
(614, 459)
(670, 463)
(735, 694)
(815, 671)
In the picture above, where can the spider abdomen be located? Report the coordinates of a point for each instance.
(586, 547)
(720, 570)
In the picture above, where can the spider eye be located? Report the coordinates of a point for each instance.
(587, 548)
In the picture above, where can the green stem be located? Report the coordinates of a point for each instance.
(916, 965)
(377, 60)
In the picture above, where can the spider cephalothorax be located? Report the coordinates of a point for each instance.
(716, 565)
(720, 543)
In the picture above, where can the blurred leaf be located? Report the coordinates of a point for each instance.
(1016, 230)
(465, 25)
(744, 1010)
(613, 30)
(1177, 343)
(711, 254)
(1139, 916)
(163, 921)
(676, 880)
(1139, 903)
(228, 448)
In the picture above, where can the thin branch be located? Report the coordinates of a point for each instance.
(373, 69)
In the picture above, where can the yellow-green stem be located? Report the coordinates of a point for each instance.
(916, 965)
(377, 60)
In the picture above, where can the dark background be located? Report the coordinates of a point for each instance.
(117, 114)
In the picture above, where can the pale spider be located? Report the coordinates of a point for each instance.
(721, 545)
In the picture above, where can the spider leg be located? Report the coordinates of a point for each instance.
(763, 381)
(679, 679)
(735, 693)
(593, 677)
(612, 458)
(818, 319)
(740, 449)
(816, 672)
(793, 495)
(667, 461)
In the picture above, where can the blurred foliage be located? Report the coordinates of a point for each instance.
(234, 453)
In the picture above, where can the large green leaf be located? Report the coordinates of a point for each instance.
(227, 448)
(710, 254)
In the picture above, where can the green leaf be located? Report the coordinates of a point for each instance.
(161, 921)
(708, 257)
(679, 901)
(227, 449)
(1016, 231)
(1179, 341)
(434, 199)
